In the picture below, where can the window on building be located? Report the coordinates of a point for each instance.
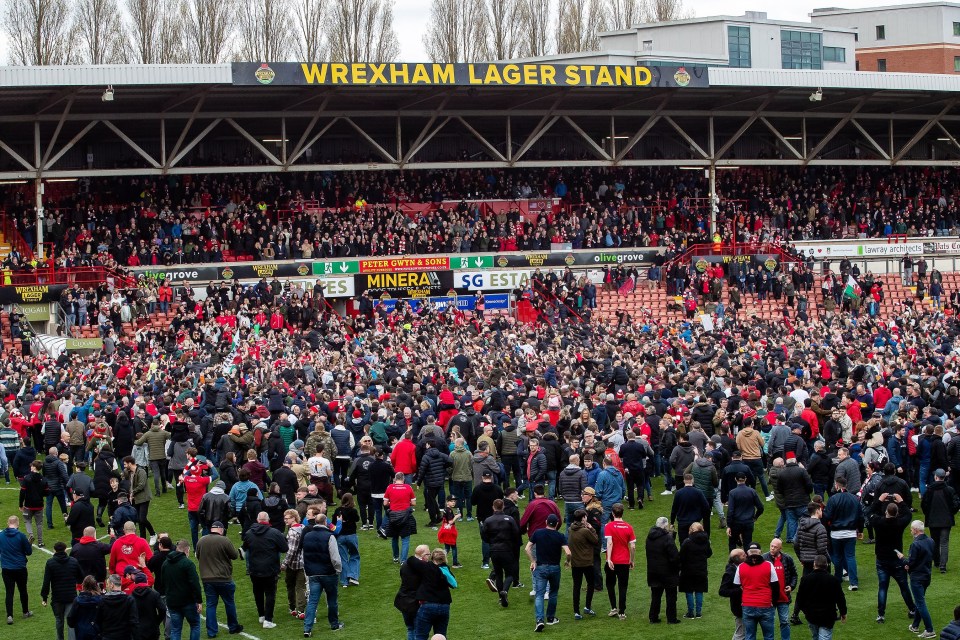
(648, 45)
(738, 39)
(881, 32)
(881, 64)
(956, 64)
(956, 28)
(801, 50)
(834, 54)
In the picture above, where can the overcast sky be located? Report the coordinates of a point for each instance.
(411, 16)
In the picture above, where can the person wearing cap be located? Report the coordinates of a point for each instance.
(80, 517)
(918, 564)
(215, 557)
(744, 508)
(939, 504)
(184, 594)
(61, 575)
(757, 579)
(544, 550)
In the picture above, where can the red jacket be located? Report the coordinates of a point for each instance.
(404, 457)
(196, 487)
(535, 515)
(126, 550)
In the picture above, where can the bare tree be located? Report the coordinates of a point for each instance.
(156, 31)
(578, 24)
(264, 30)
(99, 28)
(623, 14)
(504, 28)
(308, 29)
(362, 31)
(209, 29)
(664, 10)
(535, 17)
(37, 31)
(457, 32)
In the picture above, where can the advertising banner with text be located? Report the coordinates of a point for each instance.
(416, 284)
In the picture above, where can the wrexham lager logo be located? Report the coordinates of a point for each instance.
(265, 74)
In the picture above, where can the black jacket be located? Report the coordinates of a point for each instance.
(61, 576)
(744, 506)
(433, 468)
(728, 481)
(821, 598)
(263, 545)
(81, 516)
(919, 562)
(694, 553)
(820, 469)
(501, 532)
(730, 590)
(689, 505)
(812, 540)
(939, 504)
(117, 617)
(789, 572)
(663, 559)
(181, 581)
(91, 554)
(795, 485)
(888, 532)
(150, 610)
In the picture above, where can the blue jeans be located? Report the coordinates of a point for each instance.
(213, 592)
(462, 491)
(754, 616)
(844, 556)
(793, 520)
(781, 522)
(756, 466)
(401, 547)
(919, 590)
(551, 483)
(820, 633)
(177, 616)
(61, 499)
(924, 470)
(783, 614)
(484, 545)
(194, 518)
(820, 490)
(568, 510)
(694, 602)
(350, 556)
(885, 571)
(431, 614)
(328, 585)
(544, 576)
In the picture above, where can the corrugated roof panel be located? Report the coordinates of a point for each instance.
(117, 75)
(833, 79)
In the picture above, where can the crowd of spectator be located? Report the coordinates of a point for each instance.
(186, 219)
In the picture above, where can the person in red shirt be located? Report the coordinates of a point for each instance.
(810, 416)
(196, 487)
(538, 510)
(852, 407)
(621, 550)
(404, 457)
(400, 500)
(127, 549)
(757, 579)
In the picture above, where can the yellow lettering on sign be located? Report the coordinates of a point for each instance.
(548, 74)
(573, 74)
(420, 74)
(399, 74)
(376, 71)
(472, 75)
(338, 73)
(443, 74)
(398, 281)
(493, 75)
(314, 73)
(623, 76)
(588, 73)
(530, 75)
(603, 77)
(644, 77)
(359, 72)
(511, 74)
